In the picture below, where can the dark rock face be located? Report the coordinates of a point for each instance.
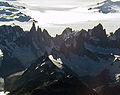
(10, 64)
(110, 89)
(55, 82)
(43, 70)
(101, 79)
(99, 32)
(66, 86)
(117, 34)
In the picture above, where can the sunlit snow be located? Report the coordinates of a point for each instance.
(1, 53)
(3, 93)
(57, 62)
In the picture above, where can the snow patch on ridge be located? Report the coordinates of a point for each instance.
(1, 54)
(57, 62)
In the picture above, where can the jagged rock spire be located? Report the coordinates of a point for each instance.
(67, 31)
(45, 33)
(99, 32)
(117, 34)
(33, 29)
(39, 29)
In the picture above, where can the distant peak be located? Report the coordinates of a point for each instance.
(117, 32)
(33, 24)
(98, 31)
(99, 26)
(108, 0)
(45, 32)
(33, 29)
(39, 29)
(67, 30)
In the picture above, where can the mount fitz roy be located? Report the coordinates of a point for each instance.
(35, 57)
(85, 52)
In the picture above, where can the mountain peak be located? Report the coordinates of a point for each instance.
(67, 31)
(99, 26)
(45, 33)
(98, 32)
(33, 29)
(117, 34)
(39, 29)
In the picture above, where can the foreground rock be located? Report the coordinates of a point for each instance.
(45, 69)
(47, 77)
(109, 89)
(65, 86)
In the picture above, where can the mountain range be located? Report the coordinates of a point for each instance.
(34, 57)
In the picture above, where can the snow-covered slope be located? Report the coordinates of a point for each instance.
(10, 12)
(14, 13)
(107, 6)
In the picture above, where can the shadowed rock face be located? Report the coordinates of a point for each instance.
(66, 86)
(110, 89)
(99, 32)
(42, 71)
(21, 48)
(101, 79)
